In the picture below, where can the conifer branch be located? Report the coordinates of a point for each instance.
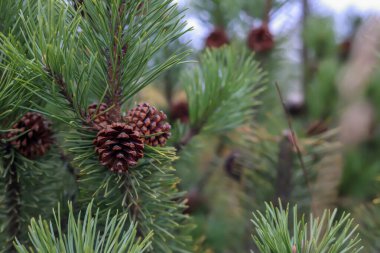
(267, 9)
(283, 185)
(304, 51)
(275, 233)
(58, 79)
(130, 201)
(13, 203)
(294, 140)
(187, 138)
(85, 234)
(114, 67)
(63, 89)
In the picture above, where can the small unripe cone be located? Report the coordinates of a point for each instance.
(151, 123)
(260, 39)
(31, 135)
(97, 116)
(119, 147)
(217, 38)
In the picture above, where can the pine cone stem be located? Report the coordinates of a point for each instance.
(13, 205)
(187, 138)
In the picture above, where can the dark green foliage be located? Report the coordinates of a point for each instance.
(320, 37)
(323, 85)
(84, 234)
(214, 89)
(325, 234)
(102, 53)
(24, 195)
(369, 220)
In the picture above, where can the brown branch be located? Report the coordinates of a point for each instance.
(304, 51)
(283, 185)
(13, 204)
(114, 69)
(187, 138)
(63, 89)
(267, 9)
(294, 140)
(130, 203)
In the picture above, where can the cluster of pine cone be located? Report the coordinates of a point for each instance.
(259, 39)
(120, 145)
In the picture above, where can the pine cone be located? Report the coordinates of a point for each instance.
(345, 49)
(232, 166)
(31, 135)
(217, 38)
(97, 116)
(180, 111)
(151, 123)
(260, 39)
(119, 147)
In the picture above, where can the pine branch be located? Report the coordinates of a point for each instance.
(187, 138)
(114, 60)
(369, 218)
(215, 90)
(283, 185)
(294, 140)
(13, 203)
(326, 234)
(267, 10)
(61, 84)
(85, 234)
(305, 51)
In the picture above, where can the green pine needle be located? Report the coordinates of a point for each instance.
(275, 233)
(84, 235)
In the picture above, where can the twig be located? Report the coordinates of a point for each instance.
(13, 195)
(304, 51)
(114, 68)
(63, 88)
(294, 140)
(186, 138)
(131, 205)
(283, 186)
(267, 9)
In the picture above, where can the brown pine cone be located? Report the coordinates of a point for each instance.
(260, 39)
(31, 135)
(180, 110)
(217, 38)
(97, 116)
(232, 166)
(345, 49)
(151, 123)
(119, 147)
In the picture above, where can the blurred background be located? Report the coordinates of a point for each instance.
(314, 141)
